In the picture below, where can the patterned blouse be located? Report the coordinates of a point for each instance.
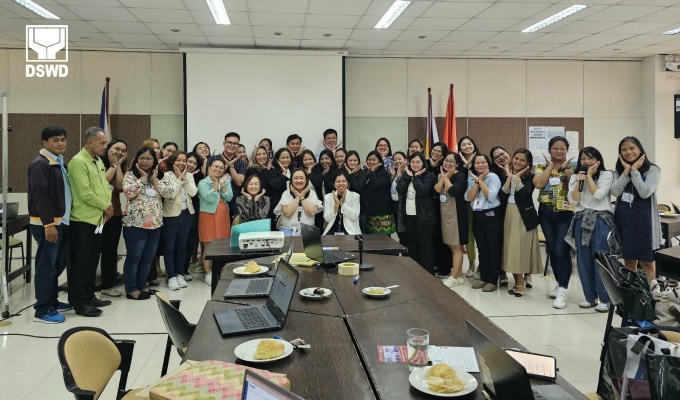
(144, 207)
(554, 194)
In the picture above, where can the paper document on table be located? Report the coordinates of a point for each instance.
(457, 357)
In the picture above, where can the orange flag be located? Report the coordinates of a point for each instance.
(450, 136)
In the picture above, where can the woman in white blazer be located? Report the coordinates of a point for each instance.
(341, 208)
(177, 211)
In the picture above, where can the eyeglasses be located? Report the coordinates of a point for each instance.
(145, 159)
(232, 144)
(563, 149)
(217, 167)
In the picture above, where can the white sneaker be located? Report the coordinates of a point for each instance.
(208, 279)
(603, 307)
(470, 272)
(450, 282)
(477, 274)
(459, 281)
(587, 304)
(560, 300)
(188, 278)
(173, 284)
(553, 294)
(181, 281)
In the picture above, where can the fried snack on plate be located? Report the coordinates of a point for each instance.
(377, 290)
(268, 348)
(252, 267)
(441, 378)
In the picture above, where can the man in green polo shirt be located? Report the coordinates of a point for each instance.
(91, 208)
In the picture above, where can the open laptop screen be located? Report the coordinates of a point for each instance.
(283, 290)
(256, 387)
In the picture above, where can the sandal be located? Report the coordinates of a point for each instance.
(519, 291)
(503, 281)
(512, 291)
(527, 280)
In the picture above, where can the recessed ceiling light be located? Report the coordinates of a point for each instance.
(422, 37)
(218, 11)
(392, 13)
(327, 35)
(277, 33)
(493, 47)
(673, 32)
(174, 30)
(555, 17)
(84, 37)
(37, 9)
(616, 49)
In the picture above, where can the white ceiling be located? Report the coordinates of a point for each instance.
(608, 29)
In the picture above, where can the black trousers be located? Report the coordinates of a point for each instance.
(487, 226)
(419, 243)
(110, 240)
(85, 247)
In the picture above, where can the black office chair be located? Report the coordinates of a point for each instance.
(179, 329)
(89, 358)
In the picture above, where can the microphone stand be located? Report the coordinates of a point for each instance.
(362, 265)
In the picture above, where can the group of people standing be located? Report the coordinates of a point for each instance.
(441, 205)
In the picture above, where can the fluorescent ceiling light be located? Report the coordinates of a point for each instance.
(673, 32)
(37, 9)
(218, 11)
(554, 18)
(395, 10)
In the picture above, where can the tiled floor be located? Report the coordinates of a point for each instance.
(29, 368)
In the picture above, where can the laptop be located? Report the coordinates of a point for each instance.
(267, 317)
(311, 240)
(504, 378)
(255, 387)
(255, 287)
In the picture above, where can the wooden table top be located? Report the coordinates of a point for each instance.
(221, 249)
(671, 253)
(331, 369)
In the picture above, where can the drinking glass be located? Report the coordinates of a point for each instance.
(417, 341)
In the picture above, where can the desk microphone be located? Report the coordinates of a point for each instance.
(580, 183)
(362, 265)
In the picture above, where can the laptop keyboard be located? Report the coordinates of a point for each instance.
(332, 258)
(251, 318)
(537, 395)
(257, 286)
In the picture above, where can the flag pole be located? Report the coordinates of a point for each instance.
(108, 116)
(429, 122)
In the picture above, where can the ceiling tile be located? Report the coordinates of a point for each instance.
(536, 46)
(277, 43)
(644, 39)
(318, 33)
(287, 32)
(459, 36)
(165, 16)
(278, 6)
(272, 19)
(184, 29)
(375, 34)
(120, 27)
(488, 25)
(161, 4)
(365, 52)
(368, 44)
(227, 30)
(513, 10)
(515, 37)
(658, 49)
(438, 24)
(576, 48)
(14, 24)
(456, 9)
(603, 38)
(622, 13)
(521, 54)
(554, 37)
(332, 21)
(133, 38)
(323, 44)
(103, 14)
(201, 5)
(471, 53)
(231, 41)
(409, 45)
(636, 28)
(663, 3)
(344, 7)
(6, 14)
(399, 52)
(73, 26)
(587, 26)
(379, 7)
(91, 38)
(416, 8)
(97, 46)
(368, 22)
(414, 35)
(440, 53)
(620, 47)
(452, 46)
(206, 18)
(494, 46)
(184, 40)
(146, 46)
(94, 3)
(16, 11)
(670, 15)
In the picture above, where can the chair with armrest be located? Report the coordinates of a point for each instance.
(663, 207)
(179, 329)
(89, 357)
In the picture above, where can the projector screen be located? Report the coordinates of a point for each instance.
(272, 94)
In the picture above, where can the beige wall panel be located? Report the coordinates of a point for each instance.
(613, 89)
(554, 88)
(167, 84)
(605, 134)
(437, 74)
(169, 128)
(375, 88)
(130, 85)
(497, 88)
(4, 68)
(53, 95)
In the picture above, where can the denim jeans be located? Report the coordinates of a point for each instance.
(141, 247)
(555, 226)
(593, 288)
(175, 236)
(50, 262)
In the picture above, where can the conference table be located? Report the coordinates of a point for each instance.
(221, 251)
(346, 329)
(670, 228)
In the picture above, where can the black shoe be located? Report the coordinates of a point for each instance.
(87, 310)
(140, 296)
(95, 302)
(154, 282)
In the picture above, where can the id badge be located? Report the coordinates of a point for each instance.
(339, 233)
(297, 231)
(151, 192)
(627, 197)
(393, 190)
(395, 196)
(477, 204)
(554, 181)
(442, 198)
(410, 195)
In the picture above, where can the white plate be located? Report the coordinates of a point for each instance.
(417, 380)
(241, 271)
(662, 215)
(246, 351)
(368, 293)
(309, 293)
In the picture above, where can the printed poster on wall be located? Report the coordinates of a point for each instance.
(539, 136)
